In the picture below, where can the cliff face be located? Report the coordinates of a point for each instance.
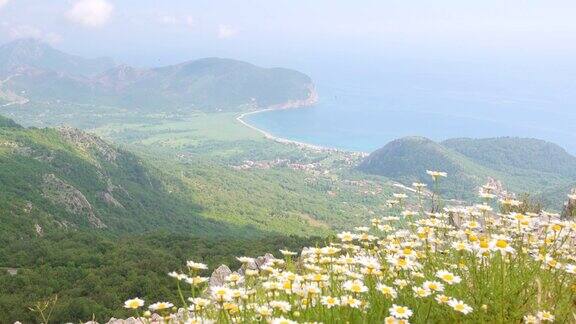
(311, 100)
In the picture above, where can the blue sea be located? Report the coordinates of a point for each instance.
(363, 109)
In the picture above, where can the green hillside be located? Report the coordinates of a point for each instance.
(511, 154)
(64, 179)
(406, 160)
(93, 273)
(184, 179)
(523, 165)
(207, 84)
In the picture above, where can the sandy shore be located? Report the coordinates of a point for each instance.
(282, 140)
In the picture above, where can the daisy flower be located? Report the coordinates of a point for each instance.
(355, 286)
(134, 303)
(459, 306)
(545, 316)
(448, 277)
(196, 265)
(160, 306)
(329, 301)
(400, 311)
(387, 290)
(433, 286)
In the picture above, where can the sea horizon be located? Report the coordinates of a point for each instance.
(364, 116)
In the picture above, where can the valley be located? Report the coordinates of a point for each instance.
(112, 174)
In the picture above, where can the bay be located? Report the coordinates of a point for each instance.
(438, 101)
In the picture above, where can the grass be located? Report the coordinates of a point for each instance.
(192, 130)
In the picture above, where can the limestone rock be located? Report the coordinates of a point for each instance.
(62, 193)
(569, 210)
(256, 264)
(39, 230)
(263, 260)
(219, 275)
(109, 199)
(87, 141)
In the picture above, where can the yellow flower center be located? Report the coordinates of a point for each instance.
(134, 304)
(501, 244)
(356, 288)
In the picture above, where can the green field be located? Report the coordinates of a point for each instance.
(203, 148)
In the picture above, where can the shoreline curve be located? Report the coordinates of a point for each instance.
(282, 140)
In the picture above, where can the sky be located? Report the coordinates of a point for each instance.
(295, 33)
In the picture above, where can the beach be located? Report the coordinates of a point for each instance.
(282, 140)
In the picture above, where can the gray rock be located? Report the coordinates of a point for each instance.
(87, 141)
(39, 230)
(60, 192)
(109, 199)
(219, 275)
(569, 210)
(263, 260)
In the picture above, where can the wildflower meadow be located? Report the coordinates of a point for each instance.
(425, 261)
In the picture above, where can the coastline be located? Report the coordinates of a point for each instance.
(292, 105)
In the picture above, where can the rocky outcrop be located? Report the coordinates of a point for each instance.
(59, 192)
(569, 210)
(154, 319)
(495, 187)
(312, 99)
(108, 199)
(39, 230)
(87, 141)
(218, 277)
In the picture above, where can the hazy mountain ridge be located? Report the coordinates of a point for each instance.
(29, 55)
(522, 164)
(38, 72)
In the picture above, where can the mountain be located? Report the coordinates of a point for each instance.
(407, 159)
(36, 72)
(522, 164)
(210, 83)
(509, 154)
(65, 179)
(30, 55)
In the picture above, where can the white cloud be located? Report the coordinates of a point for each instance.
(186, 21)
(90, 13)
(168, 20)
(3, 3)
(189, 21)
(226, 31)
